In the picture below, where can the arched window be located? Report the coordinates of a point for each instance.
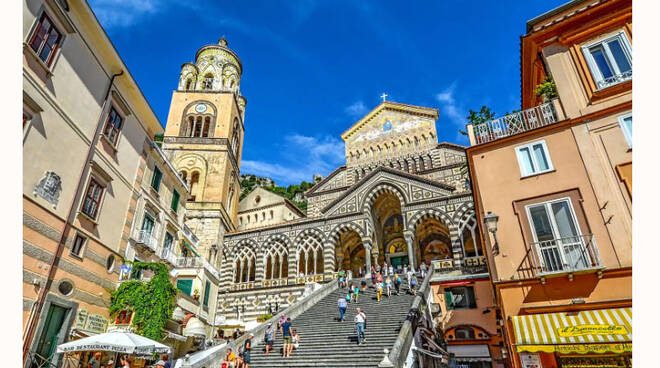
(469, 236)
(230, 199)
(188, 83)
(310, 255)
(464, 333)
(194, 185)
(235, 145)
(277, 261)
(207, 127)
(207, 83)
(244, 265)
(271, 214)
(197, 132)
(184, 175)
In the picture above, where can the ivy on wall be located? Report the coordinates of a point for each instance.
(152, 302)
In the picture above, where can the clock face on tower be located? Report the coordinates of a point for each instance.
(200, 108)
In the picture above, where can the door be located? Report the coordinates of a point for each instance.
(557, 236)
(49, 335)
(147, 224)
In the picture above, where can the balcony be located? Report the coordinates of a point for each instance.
(168, 256)
(615, 79)
(560, 256)
(518, 122)
(146, 238)
(197, 262)
(192, 238)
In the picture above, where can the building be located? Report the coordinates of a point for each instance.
(552, 184)
(262, 207)
(86, 125)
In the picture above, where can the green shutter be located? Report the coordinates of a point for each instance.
(207, 291)
(449, 300)
(185, 285)
(155, 180)
(471, 298)
(175, 200)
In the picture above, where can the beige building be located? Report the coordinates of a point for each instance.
(262, 207)
(553, 184)
(87, 128)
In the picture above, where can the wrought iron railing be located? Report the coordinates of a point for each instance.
(563, 255)
(515, 123)
(168, 255)
(615, 79)
(190, 235)
(197, 262)
(145, 237)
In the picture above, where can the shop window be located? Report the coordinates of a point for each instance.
(45, 40)
(534, 158)
(113, 125)
(460, 298)
(610, 60)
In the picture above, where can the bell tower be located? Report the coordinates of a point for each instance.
(204, 140)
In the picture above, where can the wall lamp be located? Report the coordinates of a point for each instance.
(491, 224)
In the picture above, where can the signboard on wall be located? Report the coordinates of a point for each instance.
(530, 360)
(81, 319)
(96, 323)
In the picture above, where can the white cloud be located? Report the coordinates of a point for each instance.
(448, 104)
(357, 109)
(303, 157)
(124, 13)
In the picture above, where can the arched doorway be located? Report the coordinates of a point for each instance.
(388, 220)
(433, 240)
(349, 252)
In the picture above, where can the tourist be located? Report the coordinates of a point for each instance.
(239, 359)
(349, 276)
(295, 339)
(422, 269)
(95, 362)
(125, 361)
(351, 289)
(280, 321)
(409, 275)
(384, 269)
(413, 283)
(247, 349)
(360, 322)
(160, 364)
(230, 359)
(388, 287)
(166, 359)
(405, 269)
(286, 334)
(356, 291)
(379, 290)
(110, 364)
(397, 283)
(391, 271)
(269, 336)
(341, 304)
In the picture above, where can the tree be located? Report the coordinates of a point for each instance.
(478, 117)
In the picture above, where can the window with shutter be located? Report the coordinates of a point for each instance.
(185, 285)
(207, 292)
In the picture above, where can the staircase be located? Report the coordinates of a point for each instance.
(326, 342)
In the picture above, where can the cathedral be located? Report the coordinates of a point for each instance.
(401, 198)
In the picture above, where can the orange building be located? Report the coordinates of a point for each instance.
(553, 191)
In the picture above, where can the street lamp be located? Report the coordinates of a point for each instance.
(491, 224)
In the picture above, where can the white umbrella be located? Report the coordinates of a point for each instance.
(116, 341)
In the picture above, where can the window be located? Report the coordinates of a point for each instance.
(207, 293)
(464, 333)
(156, 178)
(112, 126)
(534, 158)
(77, 247)
(610, 60)
(460, 298)
(625, 122)
(167, 245)
(65, 287)
(110, 263)
(45, 40)
(92, 200)
(175, 200)
(207, 83)
(147, 224)
(185, 285)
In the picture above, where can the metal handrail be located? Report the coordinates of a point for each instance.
(515, 123)
(568, 254)
(615, 79)
(146, 237)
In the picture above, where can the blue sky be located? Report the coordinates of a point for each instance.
(313, 68)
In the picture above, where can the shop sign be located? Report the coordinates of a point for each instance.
(96, 323)
(617, 348)
(81, 319)
(580, 330)
(530, 360)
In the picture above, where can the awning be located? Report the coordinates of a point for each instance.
(470, 353)
(455, 283)
(594, 330)
(175, 336)
(192, 249)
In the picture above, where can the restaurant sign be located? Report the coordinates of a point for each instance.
(94, 323)
(617, 348)
(580, 330)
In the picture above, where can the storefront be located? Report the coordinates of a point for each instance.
(470, 356)
(586, 339)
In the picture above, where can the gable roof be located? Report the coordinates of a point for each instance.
(318, 185)
(390, 105)
(280, 200)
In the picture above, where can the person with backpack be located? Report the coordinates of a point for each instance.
(341, 304)
(397, 283)
(286, 335)
(356, 293)
(413, 283)
(247, 349)
(360, 324)
(269, 336)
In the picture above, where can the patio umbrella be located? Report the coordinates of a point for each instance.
(115, 341)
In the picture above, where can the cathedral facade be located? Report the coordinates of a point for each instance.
(401, 198)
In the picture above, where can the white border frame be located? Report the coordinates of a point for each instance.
(626, 133)
(535, 164)
(595, 71)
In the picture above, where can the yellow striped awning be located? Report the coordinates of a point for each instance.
(602, 326)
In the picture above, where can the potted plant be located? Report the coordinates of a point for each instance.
(547, 89)
(196, 294)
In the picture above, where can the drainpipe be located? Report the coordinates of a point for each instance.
(32, 323)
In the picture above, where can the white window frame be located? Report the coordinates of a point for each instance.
(593, 67)
(79, 255)
(626, 133)
(535, 165)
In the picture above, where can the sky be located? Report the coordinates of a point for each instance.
(313, 68)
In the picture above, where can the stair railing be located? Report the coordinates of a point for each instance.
(215, 359)
(419, 310)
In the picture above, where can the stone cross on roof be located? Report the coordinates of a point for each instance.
(383, 96)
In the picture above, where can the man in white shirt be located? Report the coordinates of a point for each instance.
(409, 274)
(360, 322)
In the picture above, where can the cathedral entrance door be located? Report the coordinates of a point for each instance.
(398, 260)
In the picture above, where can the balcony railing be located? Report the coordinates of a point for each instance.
(564, 255)
(145, 237)
(197, 262)
(168, 255)
(190, 235)
(615, 79)
(515, 123)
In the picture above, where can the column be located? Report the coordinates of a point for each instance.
(411, 254)
(367, 257)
